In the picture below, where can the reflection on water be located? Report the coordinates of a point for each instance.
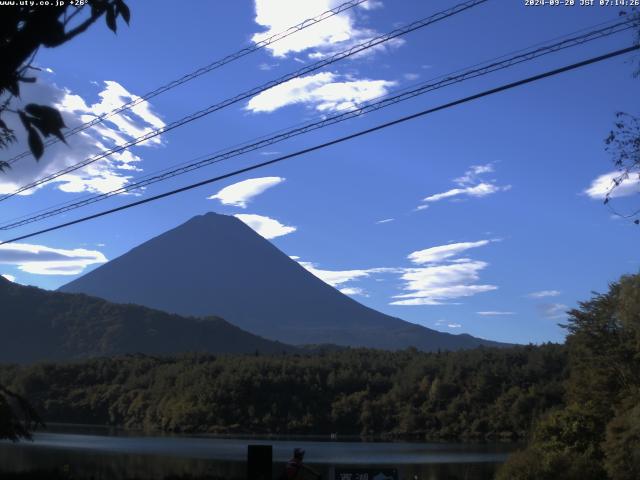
(112, 457)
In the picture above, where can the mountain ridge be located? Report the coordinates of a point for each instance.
(215, 264)
(40, 325)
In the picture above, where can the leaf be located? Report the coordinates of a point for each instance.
(4, 166)
(123, 10)
(111, 18)
(14, 87)
(47, 119)
(637, 222)
(35, 143)
(52, 33)
(26, 121)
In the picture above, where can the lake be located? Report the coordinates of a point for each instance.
(105, 454)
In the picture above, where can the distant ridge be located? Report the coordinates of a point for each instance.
(215, 264)
(38, 325)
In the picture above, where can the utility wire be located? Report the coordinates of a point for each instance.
(345, 138)
(524, 56)
(201, 71)
(254, 91)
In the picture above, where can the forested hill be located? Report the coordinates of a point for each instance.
(39, 325)
(479, 393)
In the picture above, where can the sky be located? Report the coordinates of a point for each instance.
(486, 218)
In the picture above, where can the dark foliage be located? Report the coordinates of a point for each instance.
(623, 143)
(482, 393)
(25, 28)
(40, 325)
(597, 433)
(17, 416)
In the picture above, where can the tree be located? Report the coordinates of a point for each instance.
(623, 143)
(17, 417)
(26, 28)
(597, 434)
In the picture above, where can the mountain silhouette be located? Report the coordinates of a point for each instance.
(39, 325)
(216, 265)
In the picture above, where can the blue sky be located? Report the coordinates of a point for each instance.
(481, 219)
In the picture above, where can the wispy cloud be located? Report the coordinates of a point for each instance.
(385, 220)
(240, 193)
(604, 183)
(472, 175)
(470, 184)
(553, 311)
(324, 91)
(443, 252)
(42, 260)
(267, 227)
(447, 323)
(336, 278)
(544, 293)
(354, 291)
(480, 190)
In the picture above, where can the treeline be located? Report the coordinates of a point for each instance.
(482, 393)
(596, 434)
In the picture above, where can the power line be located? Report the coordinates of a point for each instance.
(254, 91)
(367, 131)
(201, 71)
(425, 87)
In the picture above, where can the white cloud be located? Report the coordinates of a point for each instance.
(469, 185)
(603, 184)
(339, 277)
(411, 76)
(494, 313)
(42, 260)
(267, 227)
(472, 174)
(443, 252)
(11, 278)
(544, 293)
(385, 220)
(267, 66)
(104, 175)
(240, 193)
(325, 91)
(448, 324)
(354, 291)
(553, 311)
(438, 283)
(332, 34)
(480, 190)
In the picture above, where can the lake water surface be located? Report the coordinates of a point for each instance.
(108, 455)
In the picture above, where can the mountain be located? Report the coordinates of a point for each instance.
(38, 325)
(215, 264)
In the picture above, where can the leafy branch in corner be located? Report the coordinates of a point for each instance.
(24, 30)
(623, 143)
